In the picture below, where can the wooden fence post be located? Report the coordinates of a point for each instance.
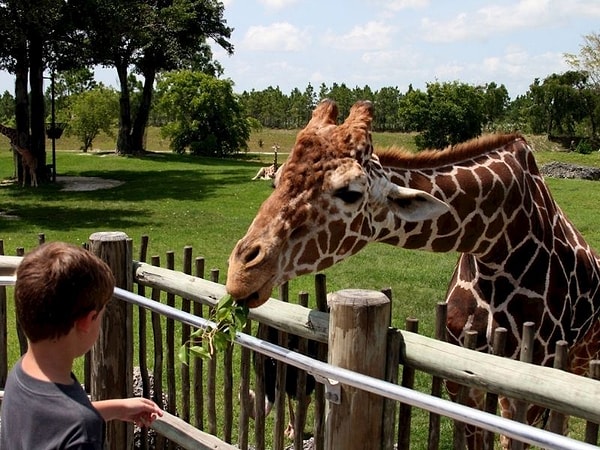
(358, 326)
(112, 356)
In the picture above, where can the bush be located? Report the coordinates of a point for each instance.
(584, 147)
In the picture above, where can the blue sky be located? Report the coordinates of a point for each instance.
(291, 43)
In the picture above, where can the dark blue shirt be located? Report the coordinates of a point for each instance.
(39, 415)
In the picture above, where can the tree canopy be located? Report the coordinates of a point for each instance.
(206, 116)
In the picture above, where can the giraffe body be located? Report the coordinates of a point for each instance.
(520, 260)
(266, 173)
(10, 133)
(29, 163)
(28, 159)
(269, 172)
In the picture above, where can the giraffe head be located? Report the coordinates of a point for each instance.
(332, 197)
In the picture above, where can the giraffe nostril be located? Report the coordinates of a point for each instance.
(251, 254)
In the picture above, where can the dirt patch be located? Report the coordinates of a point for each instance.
(86, 183)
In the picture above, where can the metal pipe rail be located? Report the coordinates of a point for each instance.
(323, 371)
(331, 374)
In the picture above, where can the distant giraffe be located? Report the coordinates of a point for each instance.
(10, 133)
(13, 135)
(268, 173)
(29, 163)
(521, 259)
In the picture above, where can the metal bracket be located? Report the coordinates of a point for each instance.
(333, 389)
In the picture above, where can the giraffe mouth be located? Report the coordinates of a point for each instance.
(252, 301)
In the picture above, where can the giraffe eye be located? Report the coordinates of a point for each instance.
(347, 195)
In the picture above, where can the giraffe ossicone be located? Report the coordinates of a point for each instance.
(521, 259)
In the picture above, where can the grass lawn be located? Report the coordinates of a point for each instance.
(180, 200)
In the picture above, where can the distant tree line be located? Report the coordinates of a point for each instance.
(565, 104)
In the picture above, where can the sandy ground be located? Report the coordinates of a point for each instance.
(86, 183)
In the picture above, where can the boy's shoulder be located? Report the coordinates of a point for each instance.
(61, 413)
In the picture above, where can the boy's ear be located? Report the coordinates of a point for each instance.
(84, 323)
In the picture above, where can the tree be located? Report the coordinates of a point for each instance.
(207, 117)
(588, 62)
(558, 103)
(412, 110)
(34, 36)
(7, 109)
(495, 102)
(93, 111)
(149, 37)
(387, 101)
(453, 113)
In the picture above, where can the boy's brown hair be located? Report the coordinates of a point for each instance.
(58, 283)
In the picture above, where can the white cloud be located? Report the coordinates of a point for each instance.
(281, 36)
(503, 18)
(450, 71)
(398, 5)
(371, 36)
(276, 4)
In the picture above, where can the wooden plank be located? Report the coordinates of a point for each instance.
(185, 435)
(8, 265)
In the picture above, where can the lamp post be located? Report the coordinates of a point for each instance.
(53, 119)
(53, 132)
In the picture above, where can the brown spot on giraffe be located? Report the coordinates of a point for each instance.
(521, 258)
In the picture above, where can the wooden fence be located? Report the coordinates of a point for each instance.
(201, 397)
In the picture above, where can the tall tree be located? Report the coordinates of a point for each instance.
(558, 103)
(35, 35)
(588, 59)
(208, 118)
(148, 37)
(588, 62)
(386, 114)
(453, 113)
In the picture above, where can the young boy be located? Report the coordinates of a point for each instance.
(60, 295)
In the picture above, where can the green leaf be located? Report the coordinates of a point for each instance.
(229, 318)
(200, 352)
(182, 354)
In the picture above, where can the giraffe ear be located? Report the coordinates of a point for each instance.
(414, 205)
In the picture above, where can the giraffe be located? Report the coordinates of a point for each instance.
(29, 161)
(521, 259)
(10, 133)
(269, 172)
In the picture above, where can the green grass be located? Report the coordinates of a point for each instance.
(180, 200)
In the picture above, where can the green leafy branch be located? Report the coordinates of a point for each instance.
(229, 318)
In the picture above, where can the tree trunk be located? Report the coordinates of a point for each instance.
(38, 116)
(141, 118)
(21, 103)
(124, 146)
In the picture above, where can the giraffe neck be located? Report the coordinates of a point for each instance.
(521, 258)
(492, 194)
(10, 133)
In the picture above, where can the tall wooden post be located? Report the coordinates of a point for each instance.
(112, 356)
(358, 325)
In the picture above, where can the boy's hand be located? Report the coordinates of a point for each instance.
(140, 410)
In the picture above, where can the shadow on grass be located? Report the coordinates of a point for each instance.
(184, 178)
(66, 218)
